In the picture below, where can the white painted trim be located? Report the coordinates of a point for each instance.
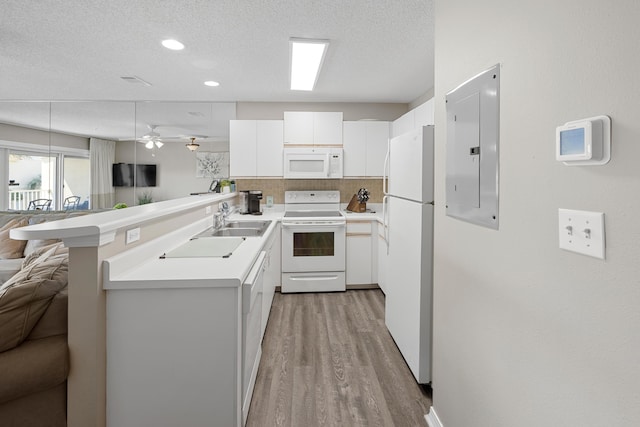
(39, 148)
(432, 418)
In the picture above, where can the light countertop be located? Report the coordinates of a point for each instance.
(157, 272)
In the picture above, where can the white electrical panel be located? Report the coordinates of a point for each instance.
(473, 115)
(582, 232)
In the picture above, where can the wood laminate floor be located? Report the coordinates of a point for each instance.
(328, 360)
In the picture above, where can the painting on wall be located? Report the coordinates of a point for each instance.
(212, 165)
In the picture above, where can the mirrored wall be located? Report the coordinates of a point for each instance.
(94, 155)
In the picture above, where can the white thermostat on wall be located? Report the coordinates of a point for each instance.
(584, 142)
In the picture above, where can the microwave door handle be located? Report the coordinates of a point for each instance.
(326, 165)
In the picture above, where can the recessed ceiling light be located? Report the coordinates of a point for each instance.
(211, 83)
(172, 44)
(307, 56)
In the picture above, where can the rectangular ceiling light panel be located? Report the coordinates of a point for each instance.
(306, 60)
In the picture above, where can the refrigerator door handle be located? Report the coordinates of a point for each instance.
(385, 185)
(385, 221)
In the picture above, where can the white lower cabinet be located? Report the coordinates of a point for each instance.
(174, 356)
(187, 355)
(273, 274)
(359, 252)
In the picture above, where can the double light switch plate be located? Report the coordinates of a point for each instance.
(582, 232)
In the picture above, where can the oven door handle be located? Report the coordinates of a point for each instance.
(323, 224)
(317, 278)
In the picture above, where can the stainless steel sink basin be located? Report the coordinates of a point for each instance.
(237, 228)
(244, 232)
(248, 224)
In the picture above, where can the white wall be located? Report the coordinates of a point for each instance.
(527, 334)
(176, 169)
(33, 136)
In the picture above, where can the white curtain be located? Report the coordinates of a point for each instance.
(102, 154)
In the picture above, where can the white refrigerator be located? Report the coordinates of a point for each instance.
(408, 220)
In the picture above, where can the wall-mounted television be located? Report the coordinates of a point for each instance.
(128, 175)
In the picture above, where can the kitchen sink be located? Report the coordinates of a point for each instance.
(237, 228)
(244, 232)
(248, 224)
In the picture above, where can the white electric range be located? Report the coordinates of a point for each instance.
(313, 242)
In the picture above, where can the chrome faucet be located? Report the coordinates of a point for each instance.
(224, 212)
(218, 220)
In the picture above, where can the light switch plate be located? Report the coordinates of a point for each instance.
(133, 235)
(582, 232)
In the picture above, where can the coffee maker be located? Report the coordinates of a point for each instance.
(254, 202)
(243, 202)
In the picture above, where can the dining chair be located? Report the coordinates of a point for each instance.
(71, 203)
(40, 205)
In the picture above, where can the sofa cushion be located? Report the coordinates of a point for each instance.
(10, 248)
(34, 244)
(54, 321)
(5, 216)
(33, 366)
(25, 297)
(58, 248)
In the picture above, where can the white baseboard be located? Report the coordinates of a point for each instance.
(432, 418)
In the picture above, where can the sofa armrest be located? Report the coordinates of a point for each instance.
(33, 366)
(54, 320)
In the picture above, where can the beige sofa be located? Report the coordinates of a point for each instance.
(34, 356)
(13, 252)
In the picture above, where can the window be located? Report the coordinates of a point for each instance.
(31, 177)
(76, 180)
(36, 172)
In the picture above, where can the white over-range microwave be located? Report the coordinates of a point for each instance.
(313, 162)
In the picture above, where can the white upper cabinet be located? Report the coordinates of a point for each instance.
(355, 148)
(365, 148)
(269, 147)
(422, 115)
(327, 128)
(255, 148)
(298, 127)
(242, 148)
(313, 128)
(377, 142)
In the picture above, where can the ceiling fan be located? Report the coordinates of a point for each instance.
(151, 138)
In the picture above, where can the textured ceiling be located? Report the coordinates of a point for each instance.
(381, 51)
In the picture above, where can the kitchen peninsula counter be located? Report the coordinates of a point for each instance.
(179, 324)
(91, 239)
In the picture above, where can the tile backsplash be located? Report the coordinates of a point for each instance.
(347, 187)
